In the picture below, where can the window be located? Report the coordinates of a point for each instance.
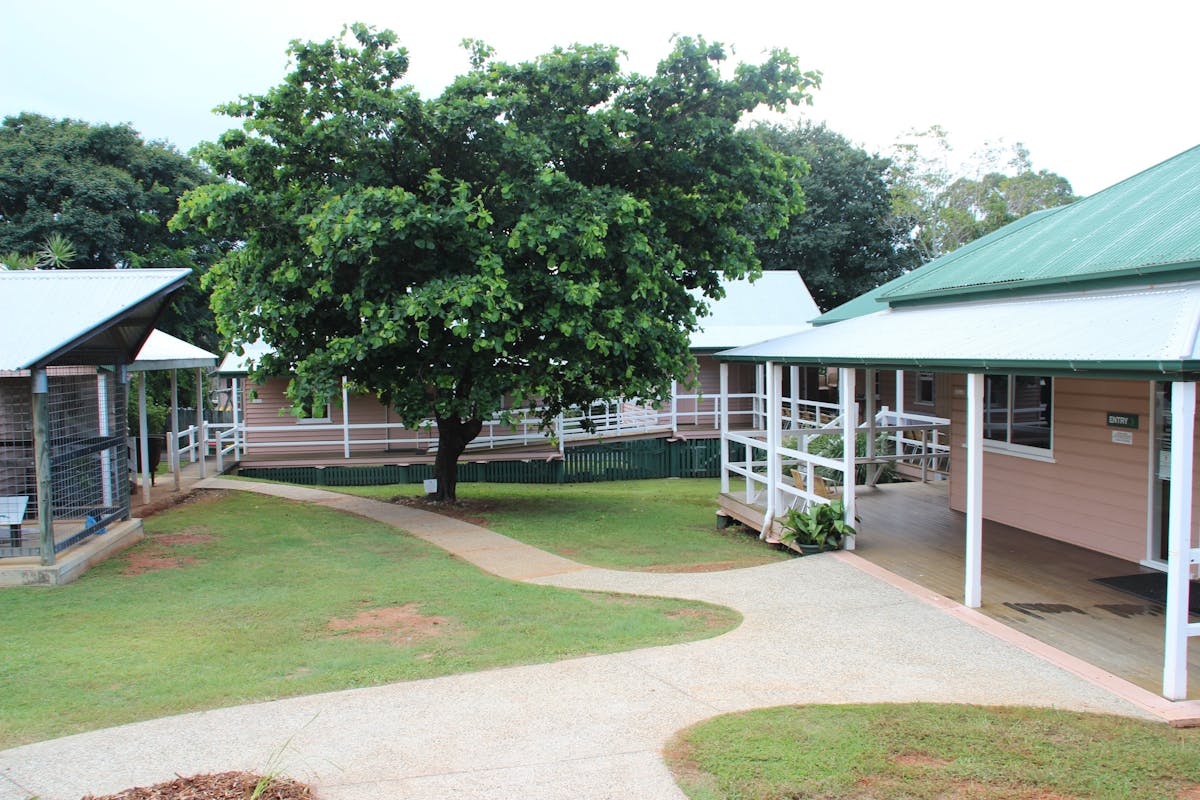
(315, 410)
(925, 390)
(1017, 410)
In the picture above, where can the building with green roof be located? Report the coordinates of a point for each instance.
(1067, 342)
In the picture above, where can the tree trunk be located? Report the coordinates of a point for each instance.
(453, 437)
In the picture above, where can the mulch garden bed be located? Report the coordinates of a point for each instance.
(218, 786)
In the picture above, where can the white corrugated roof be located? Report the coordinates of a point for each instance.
(776, 304)
(98, 316)
(233, 364)
(1144, 329)
(164, 351)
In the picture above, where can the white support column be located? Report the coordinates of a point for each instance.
(899, 409)
(869, 397)
(173, 436)
(849, 410)
(201, 450)
(237, 420)
(793, 380)
(675, 407)
(345, 417)
(774, 442)
(724, 423)
(143, 438)
(760, 389)
(1179, 540)
(972, 591)
(104, 404)
(40, 401)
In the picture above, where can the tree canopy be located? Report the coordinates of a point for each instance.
(104, 198)
(844, 243)
(941, 208)
(530, 235)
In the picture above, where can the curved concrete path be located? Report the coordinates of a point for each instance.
(816, 630)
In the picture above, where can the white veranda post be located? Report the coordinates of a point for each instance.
(724, 427)
(794, 386)
(201, 432)
(774, 422)
(173, 438)
(972, 594)
(1180, 553)
(143, 439)
(849, 444)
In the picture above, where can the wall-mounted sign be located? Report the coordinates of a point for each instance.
(1118, 420)
(1122, 437)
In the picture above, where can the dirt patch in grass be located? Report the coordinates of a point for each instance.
(395, 624)
(157, 552)
(184, 537)
(217, 786)
(152, 560)
(877, 787)
(918, 760)
(471, 511)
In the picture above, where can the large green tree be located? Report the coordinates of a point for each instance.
(844, 243)
(940, 207)
(110, 196)
(531, 234)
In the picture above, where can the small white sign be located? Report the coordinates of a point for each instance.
(1122, 437)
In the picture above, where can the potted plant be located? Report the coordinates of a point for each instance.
(822, 526)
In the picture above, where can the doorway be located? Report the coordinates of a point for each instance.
(1160, 477)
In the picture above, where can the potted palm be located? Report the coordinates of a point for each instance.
(820, 527)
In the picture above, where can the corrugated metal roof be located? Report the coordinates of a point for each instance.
(776, 304)
(1142, 332)
(1146, 225)
(164, 351)
(233, 364)
(80, 316)
(870, 302)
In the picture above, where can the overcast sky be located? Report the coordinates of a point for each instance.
(1097, 90)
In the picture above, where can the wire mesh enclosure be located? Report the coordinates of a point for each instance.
(88, 458)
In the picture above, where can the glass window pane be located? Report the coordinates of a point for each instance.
(925, 384)
(1031, 413)
(995, 407)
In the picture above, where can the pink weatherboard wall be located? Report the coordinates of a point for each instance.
(1095, 493)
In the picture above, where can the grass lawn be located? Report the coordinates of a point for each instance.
(665, 524)
(923, 751)
(238, 597)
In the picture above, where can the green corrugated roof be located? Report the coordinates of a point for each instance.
(874, 300)
(1147, 225)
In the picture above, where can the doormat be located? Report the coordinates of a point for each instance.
(1150, 586)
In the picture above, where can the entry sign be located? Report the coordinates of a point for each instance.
(1119, 420)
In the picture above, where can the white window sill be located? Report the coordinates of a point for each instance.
(1017, 450)
(311, 421)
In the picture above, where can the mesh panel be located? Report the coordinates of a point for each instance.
(88, 457)
(18, 480)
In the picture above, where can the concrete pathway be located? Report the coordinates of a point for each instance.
(815, 630)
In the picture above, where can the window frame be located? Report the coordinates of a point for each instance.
(1006, 445)
(325, 420)
(926, 379)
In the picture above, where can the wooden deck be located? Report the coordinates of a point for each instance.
(1041, 587)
